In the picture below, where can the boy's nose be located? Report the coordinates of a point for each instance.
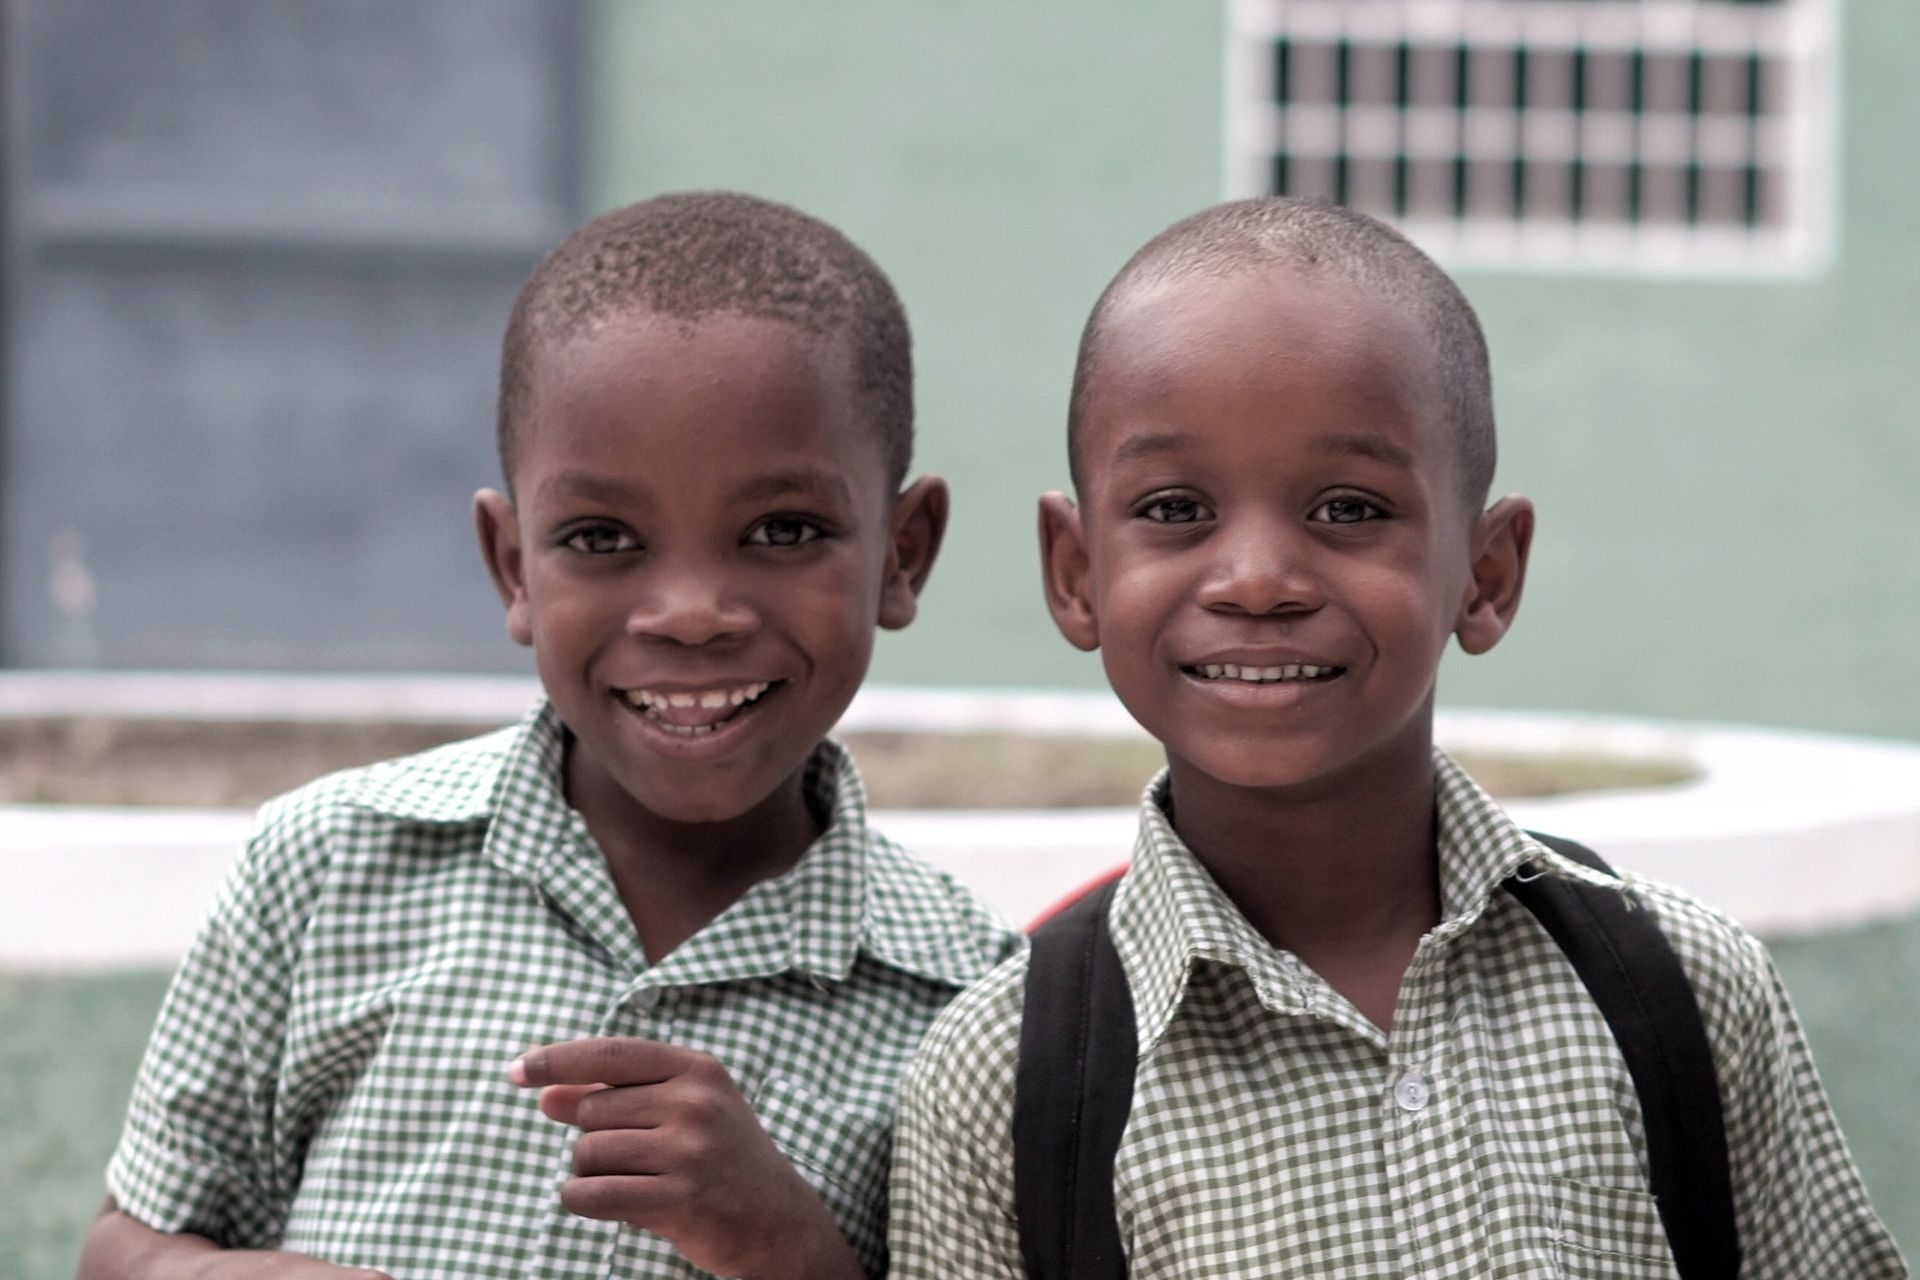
(1261, 572)
(690, 608)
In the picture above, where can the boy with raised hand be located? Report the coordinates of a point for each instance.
(1357, 1056)
(658, 896)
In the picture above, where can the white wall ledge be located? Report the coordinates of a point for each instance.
(1788, 832)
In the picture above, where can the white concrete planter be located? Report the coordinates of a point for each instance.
(1789, 832)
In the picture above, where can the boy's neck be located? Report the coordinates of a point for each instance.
(676, 877)
(1344, 874)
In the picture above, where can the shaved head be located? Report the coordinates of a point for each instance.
(1316, 239)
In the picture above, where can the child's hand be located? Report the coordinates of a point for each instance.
(669, 1144)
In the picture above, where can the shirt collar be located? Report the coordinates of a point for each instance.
(1169, 915)
(852, 894)
(809, 918)
(852, 891)
(1480, 845)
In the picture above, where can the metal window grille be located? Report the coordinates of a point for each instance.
(1635, 135)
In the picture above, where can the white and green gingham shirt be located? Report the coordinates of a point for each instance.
(328, 1073)
(1495, 1132)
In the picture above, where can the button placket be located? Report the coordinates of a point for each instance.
(1427, 1136)
(1412, 1086)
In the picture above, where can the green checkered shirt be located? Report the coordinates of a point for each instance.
(328, 1073)
(1494, 1133)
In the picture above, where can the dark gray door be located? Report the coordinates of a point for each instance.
(258, 257)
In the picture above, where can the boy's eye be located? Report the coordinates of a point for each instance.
(783, 531)
(600, 540)
(1345, 511)
(1174, 511)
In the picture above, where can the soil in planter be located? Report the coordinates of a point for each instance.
(240, 764)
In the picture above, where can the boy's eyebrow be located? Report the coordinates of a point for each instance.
(803, 481)
(1145, 444)
(1365, 444)
(590, 486)
(1368, 445)
(775, 484)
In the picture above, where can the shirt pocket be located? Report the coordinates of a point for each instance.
(1608, 1233)
(842, 1151)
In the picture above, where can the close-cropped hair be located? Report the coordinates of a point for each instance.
(697, 254)
(1312, 236)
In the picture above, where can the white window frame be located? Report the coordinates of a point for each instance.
(1796, 146)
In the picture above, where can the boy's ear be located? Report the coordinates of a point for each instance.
(499, 530)
(918, 523)
(1065, 571)
(1502, 536)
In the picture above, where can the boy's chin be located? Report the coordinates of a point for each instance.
(1302, 769)
(1271, 775)
(705, 802)
(668, 788)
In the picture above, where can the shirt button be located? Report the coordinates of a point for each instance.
(1412, 1091)
(645, 1000)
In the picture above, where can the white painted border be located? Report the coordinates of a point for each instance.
(1789, 832)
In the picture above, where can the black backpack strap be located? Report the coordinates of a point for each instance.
(1074, 1083)
(1071, 1095)
(1633, 975)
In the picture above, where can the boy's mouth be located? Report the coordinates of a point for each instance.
(688, 714)
(1287, 673)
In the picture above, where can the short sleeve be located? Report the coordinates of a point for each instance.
(1799, 1202)
(952, 1215)
(1802, 1207)
(197, 1152)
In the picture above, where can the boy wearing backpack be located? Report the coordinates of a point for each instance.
(1356, 1052)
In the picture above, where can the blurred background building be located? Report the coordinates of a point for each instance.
(258, 256)
(258, 261)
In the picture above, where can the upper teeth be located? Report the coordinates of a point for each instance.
(710, 699)
(1258, 675)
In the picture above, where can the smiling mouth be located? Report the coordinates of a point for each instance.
(694, 715)
(1288, 673)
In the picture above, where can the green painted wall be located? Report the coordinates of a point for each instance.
(1726, 470)
(1722, 467)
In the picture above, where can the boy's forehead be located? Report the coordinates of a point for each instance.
(742, 407)
(1206, 335)
(676, 350)
(1226, 367)
(645, 371)
(1269, 307)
